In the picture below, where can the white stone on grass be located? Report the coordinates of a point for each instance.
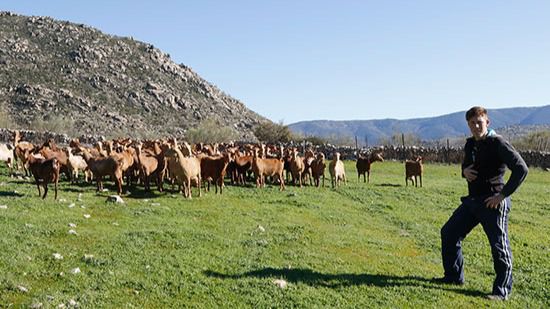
(88, 258)
(280, 283)
(72, 225)
(87, 216)
(115, 199)
(3, 206)
(73, 232)
(22, 289)
(261, 228)
(75, 271)
(57, 256)
(71, 205)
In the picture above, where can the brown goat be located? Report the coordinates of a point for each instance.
(44, 171)
(412, 170)
(104, 166)
(364, 163)
(318, 168)
(214, 168)
(267, 167)
(297, 167)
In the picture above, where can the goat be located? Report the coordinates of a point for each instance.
(44, 171)
(412, 170)
(147, 165)
(337, 170)
(267, 167)
(22, 149)
(363, 165)
(184, 170)
(297, 167)
(76, 163)
(214, 168)
(318, 168)
(7, 155)
(104, 166)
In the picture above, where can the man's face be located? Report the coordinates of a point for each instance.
(478, 126)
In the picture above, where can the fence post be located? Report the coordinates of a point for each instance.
(403, 139)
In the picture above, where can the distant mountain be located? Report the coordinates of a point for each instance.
(450, 125)
(62, 72)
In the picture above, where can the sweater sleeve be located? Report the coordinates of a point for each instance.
(468, 159)
(515, 163)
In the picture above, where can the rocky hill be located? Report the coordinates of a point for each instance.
(513, 122)
(101, 84)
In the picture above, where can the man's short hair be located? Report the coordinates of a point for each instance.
(476, 111)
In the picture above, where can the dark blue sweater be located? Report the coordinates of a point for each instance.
(490, 157)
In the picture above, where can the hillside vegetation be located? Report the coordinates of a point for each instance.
(359, 246)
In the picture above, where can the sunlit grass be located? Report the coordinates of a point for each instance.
(361, 245)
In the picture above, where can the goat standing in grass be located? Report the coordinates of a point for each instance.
(337, 170)
(363, 165)
(318, 169)
(44, 172)
(413, 169)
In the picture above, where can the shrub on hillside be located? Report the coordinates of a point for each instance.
(210, 131)
(270, 132)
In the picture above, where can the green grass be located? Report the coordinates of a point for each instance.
(360, 246)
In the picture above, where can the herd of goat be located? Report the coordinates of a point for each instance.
(132, 162)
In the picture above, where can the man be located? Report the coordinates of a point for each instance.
(486, 156)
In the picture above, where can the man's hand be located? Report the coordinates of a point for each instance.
(494, 201)
(470, 173)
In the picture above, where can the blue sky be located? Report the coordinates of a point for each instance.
(341, 60)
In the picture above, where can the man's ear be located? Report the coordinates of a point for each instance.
(488, 121)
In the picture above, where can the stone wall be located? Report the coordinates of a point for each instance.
(431, 154)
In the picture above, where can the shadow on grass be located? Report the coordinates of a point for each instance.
(313, 278)
(388, 185)
(10, 194)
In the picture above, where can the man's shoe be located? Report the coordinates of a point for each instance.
(446, 280)
(496, 297)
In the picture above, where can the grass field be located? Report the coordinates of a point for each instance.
(360, 246)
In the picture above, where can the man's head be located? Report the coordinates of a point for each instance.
(478, 121)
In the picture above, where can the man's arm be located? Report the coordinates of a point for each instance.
(515, 163)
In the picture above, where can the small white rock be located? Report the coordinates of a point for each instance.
(155, 204)
(87, 216)
(71, 205)
(105, 190)
(72, 302)
(62, 200)
(61, 306)
(75, 271)
(261, 228)
(36, 306)
(88, 257)
(28, 225)
(22, 289)
(72, 225)
(3, 206)
(73, 232)
(280, 283)
(115, 199)
(57, 256)
(82, 206)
